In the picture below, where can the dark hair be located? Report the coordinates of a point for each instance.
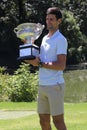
(55, 11)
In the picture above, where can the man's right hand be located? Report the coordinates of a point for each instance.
(24, 41)
(34, 62)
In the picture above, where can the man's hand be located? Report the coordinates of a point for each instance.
(34, 62)
(24, 41)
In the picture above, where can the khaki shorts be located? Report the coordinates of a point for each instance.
(51, 99)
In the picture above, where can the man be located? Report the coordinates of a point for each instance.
(52, 62)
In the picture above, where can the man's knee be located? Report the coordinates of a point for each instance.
(59, 122)
(59, 118)
(44, 119)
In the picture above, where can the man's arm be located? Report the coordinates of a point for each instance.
(60, 64)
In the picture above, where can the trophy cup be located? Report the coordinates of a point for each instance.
(28, 32)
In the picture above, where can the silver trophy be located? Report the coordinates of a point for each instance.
(28, 32)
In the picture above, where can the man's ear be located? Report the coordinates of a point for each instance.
(59, 21)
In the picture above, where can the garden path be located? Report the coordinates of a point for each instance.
(14, 114)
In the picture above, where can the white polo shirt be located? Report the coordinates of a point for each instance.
(50, 48)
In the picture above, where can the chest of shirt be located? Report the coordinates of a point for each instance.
(48, 50)
(48, 46)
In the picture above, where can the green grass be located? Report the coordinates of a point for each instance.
(75, 106)
(75, 117)
(17, 106)
(76, 86)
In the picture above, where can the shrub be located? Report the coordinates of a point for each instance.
(23, 85)
(2, 70)
(4, 87)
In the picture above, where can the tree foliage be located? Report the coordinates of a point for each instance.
(74, 36)
(74, 26)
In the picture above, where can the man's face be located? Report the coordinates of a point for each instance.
(52, 22)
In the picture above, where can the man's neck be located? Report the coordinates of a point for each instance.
(51, 32)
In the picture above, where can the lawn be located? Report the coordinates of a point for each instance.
(76, 86)
(75, 116)
(75, 106)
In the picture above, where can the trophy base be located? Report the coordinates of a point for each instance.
(31, 57)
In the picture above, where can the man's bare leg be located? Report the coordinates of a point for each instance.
(45, 121)
(59, 122)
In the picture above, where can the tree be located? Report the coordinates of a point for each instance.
(8, 48)
(16, 12)
(74, 36)
(12, 14)
(79, 9)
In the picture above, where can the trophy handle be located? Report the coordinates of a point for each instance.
(16, 30)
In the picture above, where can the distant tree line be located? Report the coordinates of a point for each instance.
(15, 12)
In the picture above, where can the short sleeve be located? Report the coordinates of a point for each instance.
(62, 46)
